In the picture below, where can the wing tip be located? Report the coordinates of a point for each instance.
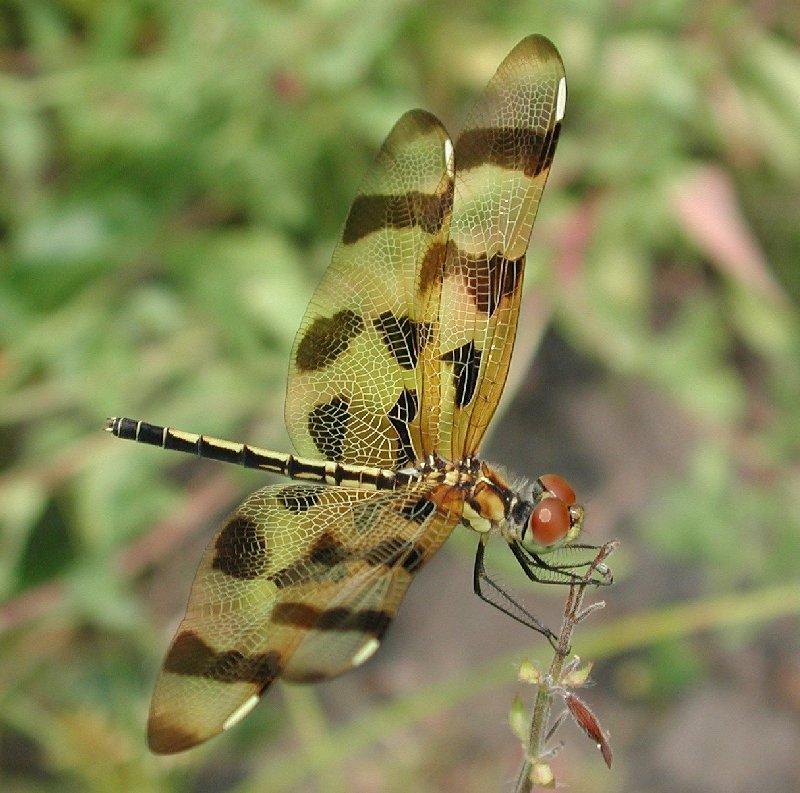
(535, 47)
(539, 43)
(420, 121)
(164, 737)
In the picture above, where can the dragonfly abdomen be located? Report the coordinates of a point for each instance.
(301, 469)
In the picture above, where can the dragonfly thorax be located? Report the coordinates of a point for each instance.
(543, 513)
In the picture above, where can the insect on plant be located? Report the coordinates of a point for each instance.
(394, 376)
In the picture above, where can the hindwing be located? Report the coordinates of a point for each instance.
(300, 583)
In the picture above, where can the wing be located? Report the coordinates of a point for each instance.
(354, 392)
(301, 583)
(502, 159)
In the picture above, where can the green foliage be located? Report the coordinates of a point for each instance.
(173, 177)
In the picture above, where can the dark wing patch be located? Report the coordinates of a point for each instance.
(418, 511)
(326, 339)
(190, 655)
(325, 553)
(164, 737)
(241, 549)
(298, 499)
(431, 269)
(507, 147)
(371, 213)
(403, 412)
(403, 337)
(300, 615)
(488, 282)
(327, 426)
(466, 362)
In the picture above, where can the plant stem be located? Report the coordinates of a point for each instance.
(280, 773)
(540, 718)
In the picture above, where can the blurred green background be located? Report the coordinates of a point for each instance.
(172, 180)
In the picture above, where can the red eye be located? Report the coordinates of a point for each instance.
(549, 521)
(559, 487)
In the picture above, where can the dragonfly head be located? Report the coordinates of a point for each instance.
(552, 517)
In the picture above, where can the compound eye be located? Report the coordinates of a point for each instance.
(549, 522)
(559, 487)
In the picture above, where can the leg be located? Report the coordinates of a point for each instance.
(567, 565)
(531, 562)
(605, 576)
(479, 575)
(530, 565)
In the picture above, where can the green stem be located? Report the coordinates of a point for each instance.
(540, 718)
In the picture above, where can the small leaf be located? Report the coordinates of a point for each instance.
(577, 677)
(529, 673)
(518, 719)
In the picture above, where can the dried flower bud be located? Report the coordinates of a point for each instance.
(588, 722)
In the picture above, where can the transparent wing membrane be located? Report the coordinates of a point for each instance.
(300, 583)
(355, 390)
(503, 159)
(405, 347)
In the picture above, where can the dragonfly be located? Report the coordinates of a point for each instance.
(395, 373)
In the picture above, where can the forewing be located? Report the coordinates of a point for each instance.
(300, 583)
(355, 377)
(502, 159)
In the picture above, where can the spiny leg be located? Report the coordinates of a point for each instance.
(479, 574)
(531, 562)
(606, 579)
(566, 565)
